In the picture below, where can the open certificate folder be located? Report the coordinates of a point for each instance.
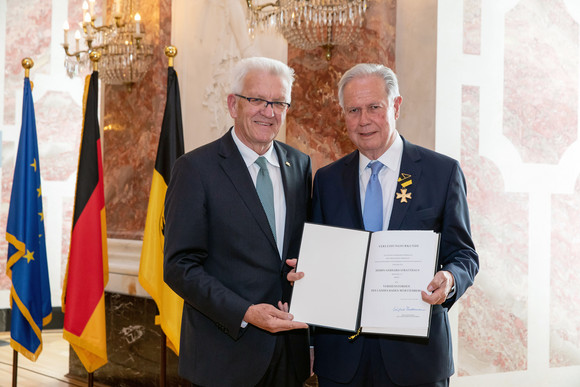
(359, 279)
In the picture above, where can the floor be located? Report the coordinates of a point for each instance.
(50, 369)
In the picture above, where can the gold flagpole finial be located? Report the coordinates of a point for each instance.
(170, 52)
(27, 63)
(95, 57)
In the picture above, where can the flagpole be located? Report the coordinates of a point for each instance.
(14, 368)
(162, 363)
(170, 52)
(95, 57)
(27, 64)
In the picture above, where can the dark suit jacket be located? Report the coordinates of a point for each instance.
(438, 203)
(221, 257)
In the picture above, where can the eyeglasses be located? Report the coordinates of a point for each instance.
(277, 106)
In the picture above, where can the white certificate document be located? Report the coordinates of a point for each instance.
(400, 265)
(358, 279)
(333, 262)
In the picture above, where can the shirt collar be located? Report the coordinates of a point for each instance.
(391, 158)
(250, 156)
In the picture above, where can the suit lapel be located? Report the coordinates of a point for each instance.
(352, 191)
(409, 165)
(290, 178)
(235, 168)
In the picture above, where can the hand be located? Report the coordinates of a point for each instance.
(292, 275)
(440, 287)
(283, 306)
(268, 318)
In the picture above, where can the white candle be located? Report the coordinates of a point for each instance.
(92, 7)
(87, 18)
(137, 24)
(117, 8)
(85, 11)
(77, 38)
(65, 27)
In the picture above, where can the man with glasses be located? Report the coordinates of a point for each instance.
(234, 212)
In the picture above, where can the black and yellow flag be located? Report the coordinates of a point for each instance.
(170, 147)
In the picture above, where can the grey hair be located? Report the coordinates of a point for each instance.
(370, 69)
(273, 66)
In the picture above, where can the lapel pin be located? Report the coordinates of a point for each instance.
(405, 180)
(287, 163)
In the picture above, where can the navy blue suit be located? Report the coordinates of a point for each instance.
(221, 257)
(438, 203)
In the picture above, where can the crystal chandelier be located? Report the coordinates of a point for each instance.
(125, 58)
(308, 24)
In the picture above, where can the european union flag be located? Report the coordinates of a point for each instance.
(27, 265)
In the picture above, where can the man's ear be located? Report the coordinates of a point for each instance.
(232, 105)
(397, 105)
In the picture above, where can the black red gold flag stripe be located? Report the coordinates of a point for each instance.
(87, 269)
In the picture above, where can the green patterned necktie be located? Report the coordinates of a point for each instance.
(266, 192)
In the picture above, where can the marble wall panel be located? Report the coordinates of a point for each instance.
(541, 89)
(314, 123)
(565, 277)
(67, 215)
(493, 318)
(133, 347)
(132, 124)
(472, 27)
(27, 35)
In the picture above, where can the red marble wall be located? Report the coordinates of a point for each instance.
(132, 123)
(314, 122)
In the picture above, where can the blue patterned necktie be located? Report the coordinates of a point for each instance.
(266, 192)
(373, 210)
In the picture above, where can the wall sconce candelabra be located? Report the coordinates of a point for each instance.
(125, 58)
(308, 24)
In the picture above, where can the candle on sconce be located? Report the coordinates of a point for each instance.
(87, 18)
(116, 8)
(92, 7)
(77, 39)
(137, 24)
(85, 11)
(65, 27)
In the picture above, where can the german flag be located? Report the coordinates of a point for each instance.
(83, 301)
(170, 147)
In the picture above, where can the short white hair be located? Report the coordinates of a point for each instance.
(370, 69)
(273, 66)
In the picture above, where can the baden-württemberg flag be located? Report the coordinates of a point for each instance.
(83, 298)
(170, 147)
(27, 265)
